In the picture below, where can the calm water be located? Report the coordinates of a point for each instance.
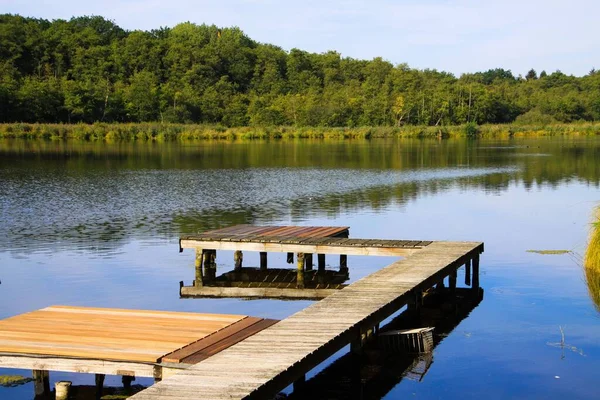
(95, 224)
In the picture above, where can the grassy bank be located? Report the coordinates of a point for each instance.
(173, 132)
(592, 262)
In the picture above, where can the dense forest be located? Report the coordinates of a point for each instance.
(88, 70)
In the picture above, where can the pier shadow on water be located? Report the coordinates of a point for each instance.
(375, 372)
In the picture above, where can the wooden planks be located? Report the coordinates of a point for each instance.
(310, 239)
(268, 361)
(107, 334)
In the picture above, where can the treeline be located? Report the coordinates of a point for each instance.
(90, 70)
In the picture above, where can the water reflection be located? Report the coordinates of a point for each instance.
(376, 372)
(100, 196)
(592, 262)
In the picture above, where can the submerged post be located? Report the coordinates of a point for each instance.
(263, 260)
(198, 266)
(300, 272)
(475, 271)
(41, 383)
(238, 258)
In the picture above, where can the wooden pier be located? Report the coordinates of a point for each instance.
(205, 356)
(267, 362)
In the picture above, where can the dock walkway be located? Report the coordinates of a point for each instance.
(267, 362)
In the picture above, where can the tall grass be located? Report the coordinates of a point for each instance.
(592, 262)
(174, 132)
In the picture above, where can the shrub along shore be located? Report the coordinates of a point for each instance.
(183, 132)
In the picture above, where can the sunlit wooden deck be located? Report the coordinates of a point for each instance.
(117, 341)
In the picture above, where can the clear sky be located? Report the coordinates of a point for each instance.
(451, 35)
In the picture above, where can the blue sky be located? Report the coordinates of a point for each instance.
(455, 36)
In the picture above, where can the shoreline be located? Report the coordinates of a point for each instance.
(190, 132)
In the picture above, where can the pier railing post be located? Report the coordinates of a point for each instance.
(263, 260)
(452, 281)
(300, 272)
(41, 383)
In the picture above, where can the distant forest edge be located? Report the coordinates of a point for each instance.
(88, 70)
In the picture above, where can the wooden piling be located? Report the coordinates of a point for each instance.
(61, 390)
(126, 379)
(343, 263)
(321, 262)
(290, 258)
(198, 265)
(452, 281)
(238, 258)
(210, 264)
(99, 385)
(299, 383)
(468, 273)
(308, 261)
(475, 271)
(263, 260)
(41, 383)
(300, 272)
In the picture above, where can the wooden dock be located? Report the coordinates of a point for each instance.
(122, 342)
(267, 362)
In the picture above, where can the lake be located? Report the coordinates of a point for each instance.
(97, 224)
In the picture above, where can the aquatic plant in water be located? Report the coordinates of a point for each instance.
(591, 262)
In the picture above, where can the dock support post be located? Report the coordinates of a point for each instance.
(300, 273)
(62, 390)
(41, 383)
(238, 258)
(343, 263)
(198, 265)
(452, 281)
(263, 260)
(299, 383)
(290, 258)
(99, 385)
(321, 262)
(476, 272)
(415, 305)
(127, 381)
(308, 262)
(440, 285)
(468, 272)
(210, 264)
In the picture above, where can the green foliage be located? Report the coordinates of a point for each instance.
(89, 70)
(471, 129)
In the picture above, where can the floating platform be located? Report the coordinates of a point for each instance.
(117, 341)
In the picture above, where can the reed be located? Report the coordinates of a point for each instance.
(185, 132)
(592, 262)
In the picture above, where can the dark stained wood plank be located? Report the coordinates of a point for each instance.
(191, 348)
(228, 341)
